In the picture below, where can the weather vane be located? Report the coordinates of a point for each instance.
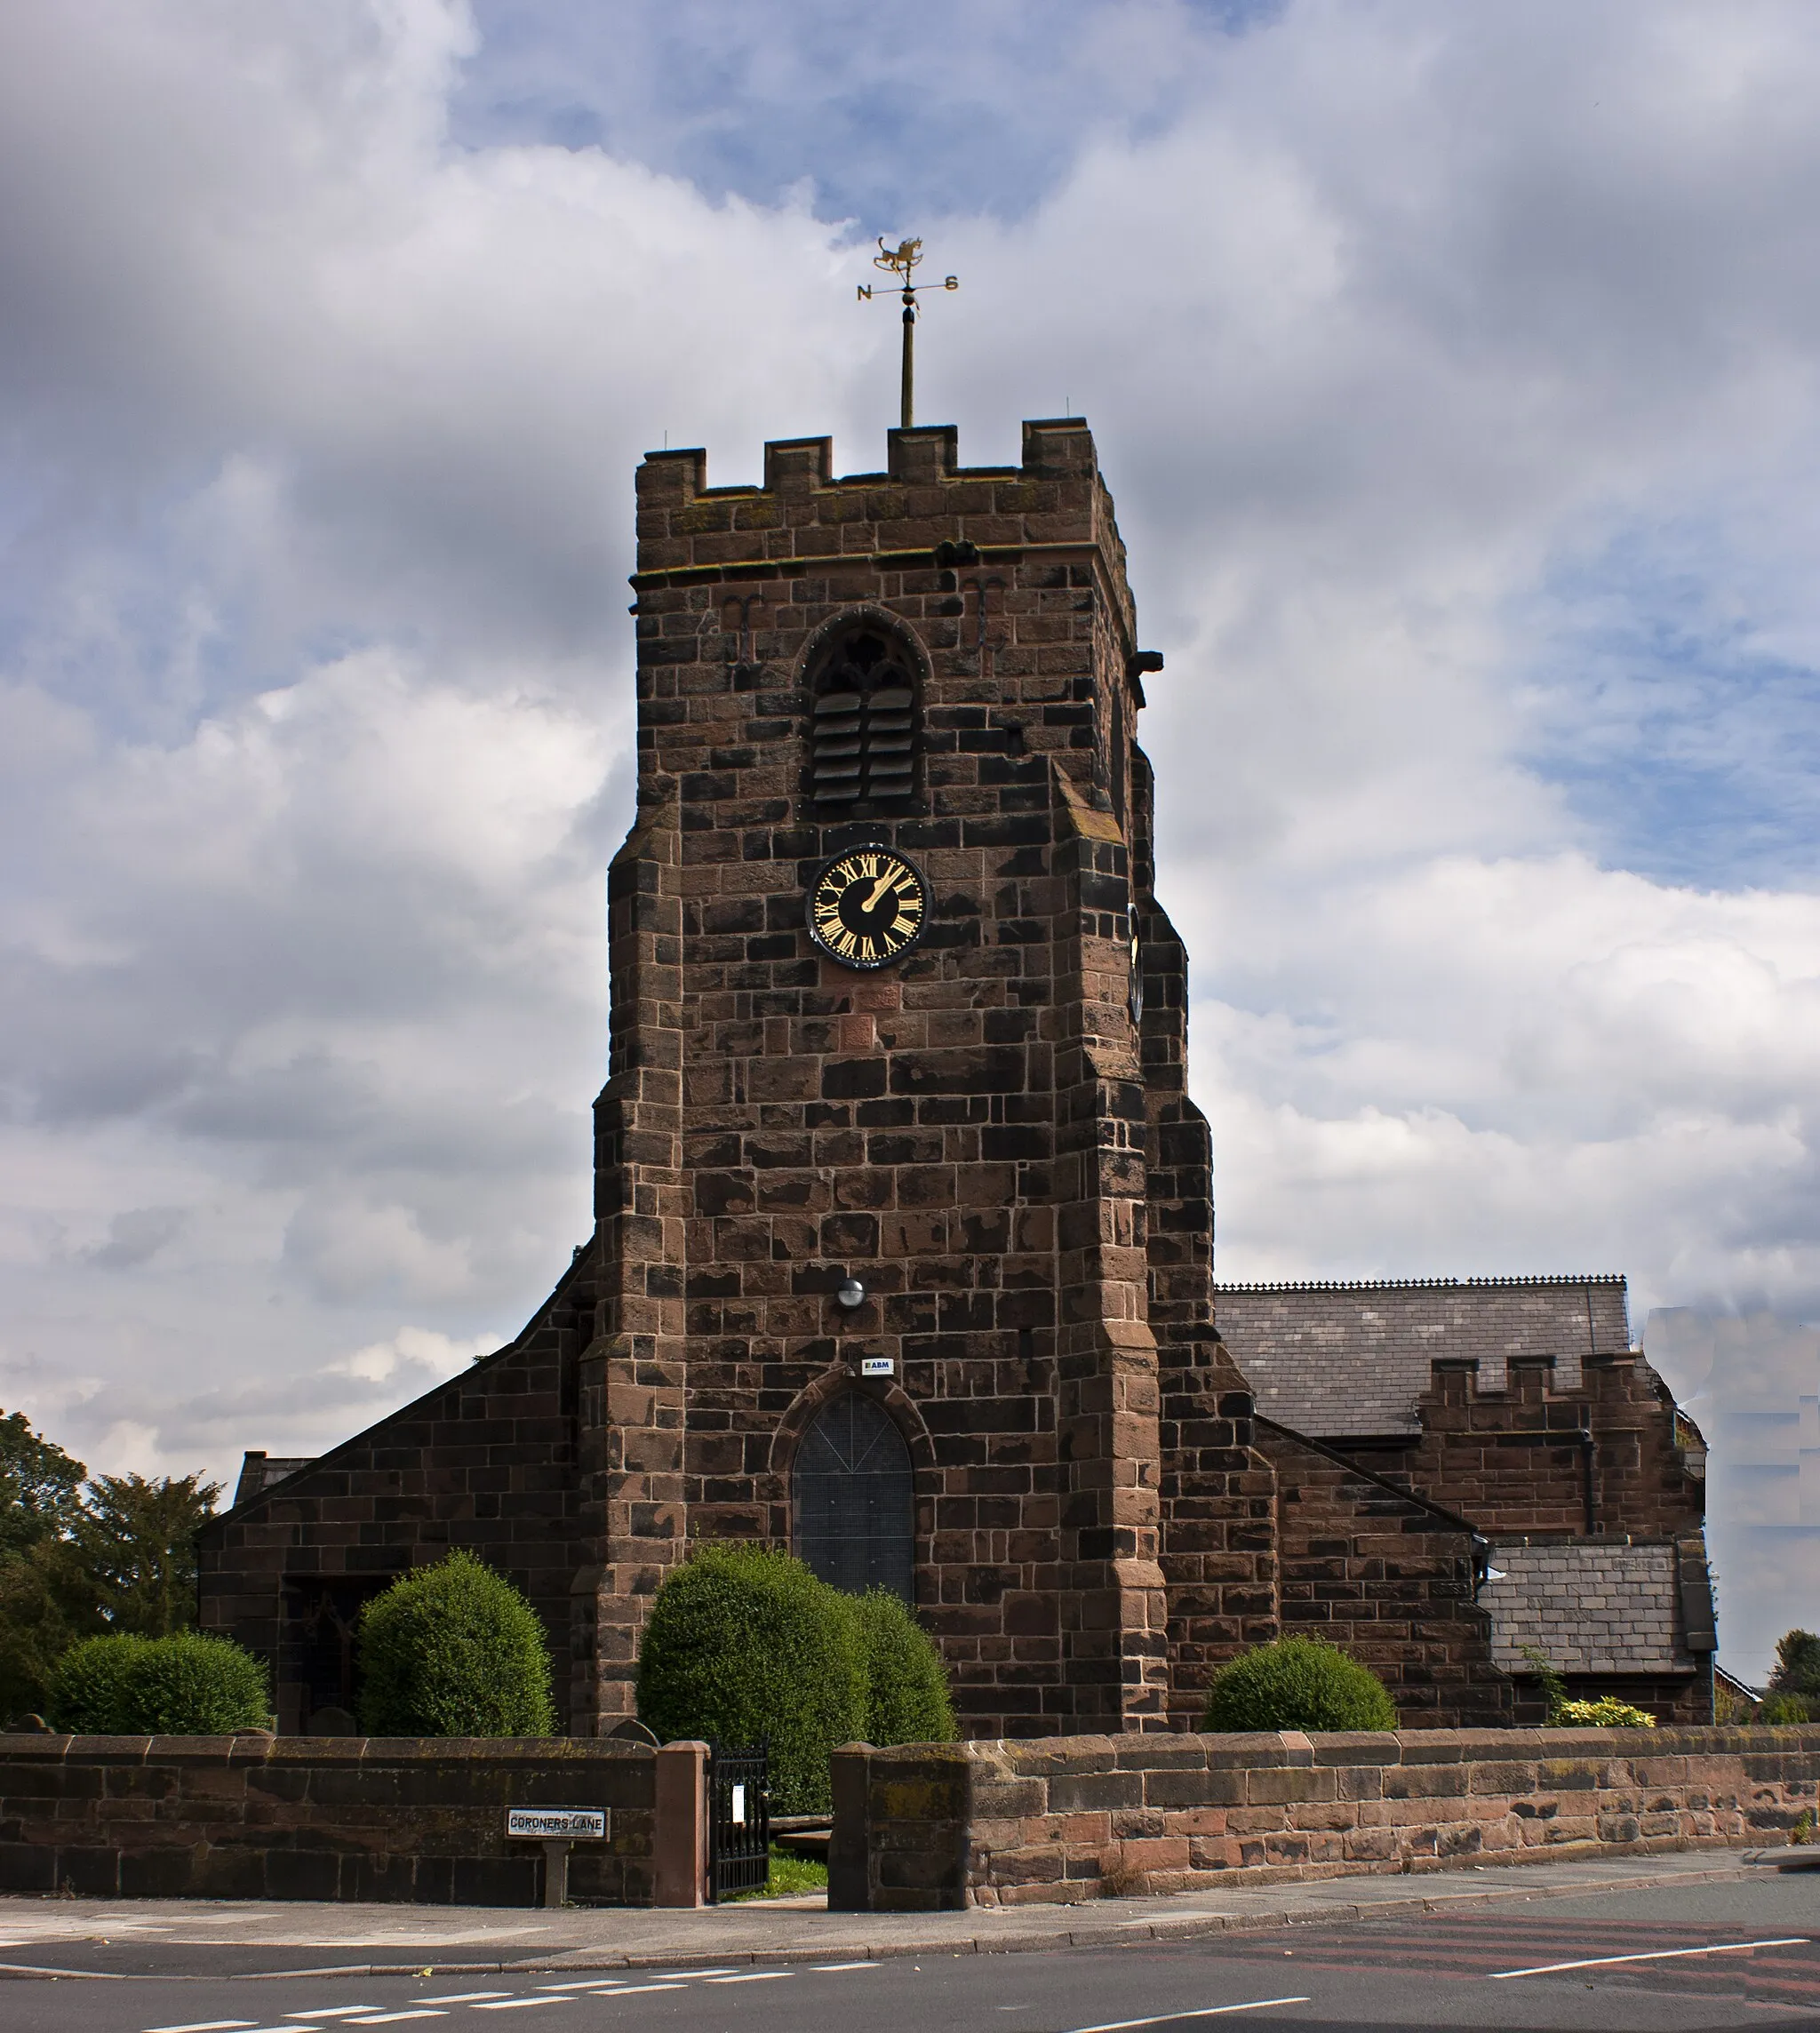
(899, 261)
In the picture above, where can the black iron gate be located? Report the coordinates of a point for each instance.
(738, 1821)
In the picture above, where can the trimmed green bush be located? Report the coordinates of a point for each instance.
(743, 1642)
(454, 1650)
(1786, 1709)
(90, 1687)
(1297, 1683)
(187, 1685)
(907, 1684)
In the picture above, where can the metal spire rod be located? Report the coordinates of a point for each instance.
(899, 261)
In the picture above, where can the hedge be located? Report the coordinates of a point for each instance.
(454, 1650)
(906, 1697)
(1297, 1683)
(743, 1643)
(187, 1685)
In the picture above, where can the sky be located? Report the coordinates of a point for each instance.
(1457, 373)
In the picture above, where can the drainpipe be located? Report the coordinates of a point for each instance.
(1588, 1467)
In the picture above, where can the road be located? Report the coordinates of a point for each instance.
(1666, 1960)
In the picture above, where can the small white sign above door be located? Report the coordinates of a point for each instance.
(878, 1366)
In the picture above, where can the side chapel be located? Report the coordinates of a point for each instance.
(903, 1253)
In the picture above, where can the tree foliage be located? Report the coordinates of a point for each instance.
(454, 1650)
(1297, 1683)
(137, 1539)
(1782, 1709)
(82, 1557)
(1797, 1664)
(40, 1488)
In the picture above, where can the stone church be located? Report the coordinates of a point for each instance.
(903, 1252)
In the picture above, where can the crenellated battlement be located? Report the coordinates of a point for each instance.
(803, 519)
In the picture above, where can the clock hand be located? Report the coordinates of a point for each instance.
(879, 888)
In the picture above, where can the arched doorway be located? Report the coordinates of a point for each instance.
(853, 1498)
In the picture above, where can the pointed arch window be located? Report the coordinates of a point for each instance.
(853, 1498)
(864, 722)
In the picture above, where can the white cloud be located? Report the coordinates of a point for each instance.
(1397, 326)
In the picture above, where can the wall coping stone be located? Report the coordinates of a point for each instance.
(255, 1748)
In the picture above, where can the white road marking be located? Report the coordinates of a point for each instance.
(463, 1997)
(752, 1976)
(392, 2018)
(588, 1991)
(333, 2012)
(206, 2026)
(1654, 1955)
(635, 1990)
(618, 1982)
(1206, 2012)
(519, 2004)
(668, 1975)
(821, 1969)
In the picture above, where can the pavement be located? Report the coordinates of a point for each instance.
(42, 1937)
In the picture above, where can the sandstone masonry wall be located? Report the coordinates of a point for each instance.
(486, 1461)
(935, 1826)
(1389, 1578)
(253, 1817)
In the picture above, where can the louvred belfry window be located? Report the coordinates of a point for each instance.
(862, 736)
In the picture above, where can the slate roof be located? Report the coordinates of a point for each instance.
(1586, 1609)
(1339, 1361)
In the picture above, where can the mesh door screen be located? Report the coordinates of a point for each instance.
(854, 1498)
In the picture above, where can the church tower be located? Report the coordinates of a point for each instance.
(905, 1220)
(903, 1256)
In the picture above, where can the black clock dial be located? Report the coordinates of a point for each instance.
(867, 906)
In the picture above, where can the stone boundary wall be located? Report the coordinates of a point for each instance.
(924, 1827)
(259, 1817)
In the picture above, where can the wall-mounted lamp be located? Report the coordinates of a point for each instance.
(852, 1294)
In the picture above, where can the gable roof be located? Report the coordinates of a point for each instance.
(1350, 1359)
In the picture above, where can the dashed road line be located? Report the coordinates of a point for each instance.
(519, 2004)
(1652, 1956)
(633, 1989)
(825, 1969)
(463, 1996)
(392, 2018)
(332, 2011)
(1206, 2012)
(207, 2026)
(752, 1976)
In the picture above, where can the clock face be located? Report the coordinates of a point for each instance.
(867, 906)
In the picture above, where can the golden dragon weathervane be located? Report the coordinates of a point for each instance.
(898, 261)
